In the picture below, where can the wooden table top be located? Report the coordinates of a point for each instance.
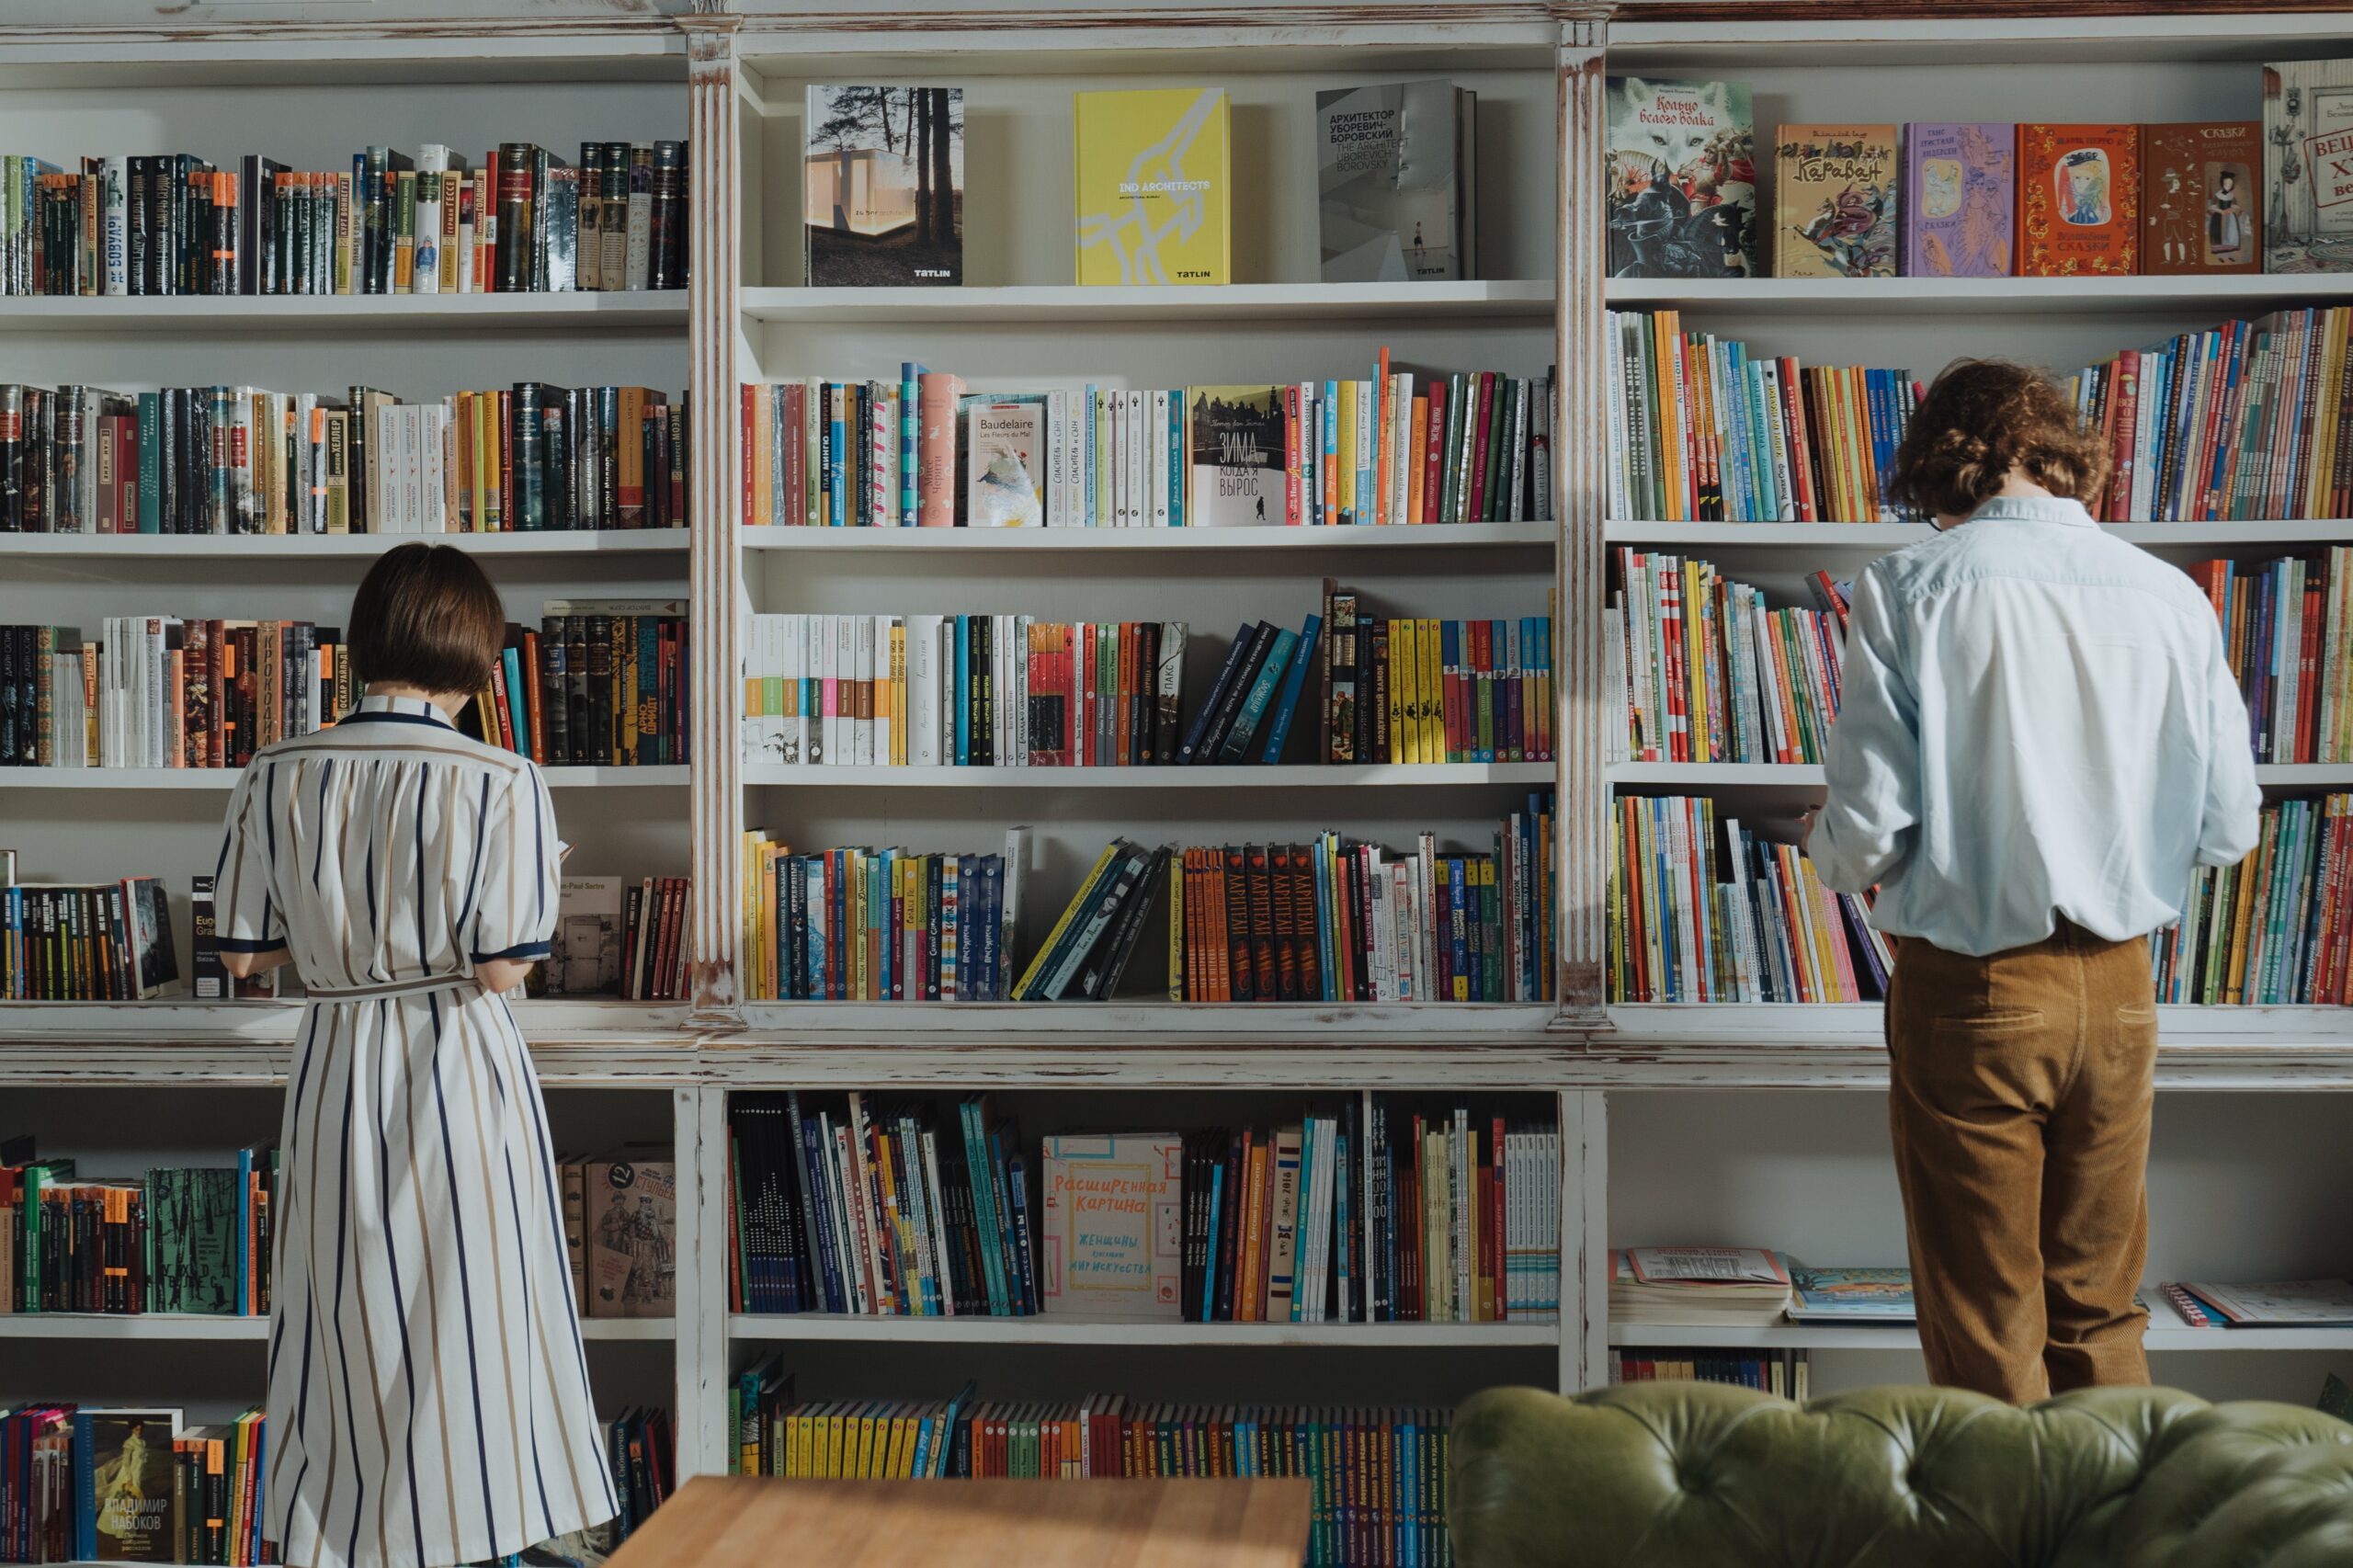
(758, 1522)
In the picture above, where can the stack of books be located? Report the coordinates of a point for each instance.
(1851, 1295)
(1697, 1286)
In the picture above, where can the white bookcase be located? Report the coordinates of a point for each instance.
(1761, 1125)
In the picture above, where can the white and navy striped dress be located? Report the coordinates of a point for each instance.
(428, 1401)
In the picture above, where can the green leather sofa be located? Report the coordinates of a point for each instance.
(1700, 1475)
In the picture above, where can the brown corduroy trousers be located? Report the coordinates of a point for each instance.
(2021, 1088)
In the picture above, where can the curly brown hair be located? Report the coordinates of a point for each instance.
(1984, 419)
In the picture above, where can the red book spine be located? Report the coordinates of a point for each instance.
(1484, 407)
(1292, 452)
(1434, 451)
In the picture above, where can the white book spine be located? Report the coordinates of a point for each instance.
(432, 161)
(1140, 438)
(925, 697)
(1156, 482)
(1057, 458)
(115, 226)
(639, 252)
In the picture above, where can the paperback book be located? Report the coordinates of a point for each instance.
(1113, 1207)
(1397, 182)
(1681, 170)
(1836, 195)
(883, 187)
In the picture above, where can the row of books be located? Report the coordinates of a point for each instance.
(881, 926)
(1378, 1479)
(1446, 1218)
(2247, 420)
(849, 1206)
(1702, 912)
(924, 452)
(641, 1449)
(1701, 430)
(174, 223)
(2275, 928)
(237, 460)
(86, 942)
(115, 1485)
(654, 960)
(1333, 920)
(1782, 1372)
(1709, 674)
(176, 1240)
(2288, 627)
(601, 682)
(1749, 1286)
(621, 1231)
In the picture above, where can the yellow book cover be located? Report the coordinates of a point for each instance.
(1416, 456)
(1406, 658)
(1153, 186)
(1347, 435)
(1176, 927)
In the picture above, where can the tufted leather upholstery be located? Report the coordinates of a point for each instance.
(1701, 1475)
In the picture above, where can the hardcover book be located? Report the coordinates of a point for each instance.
(134, 1513)
(2308, 166)
(2201, 211)
(1835, 191)
(1681, 166)
(1004, 445)
(1113, 1207)
(1960, 198)
(632, 1236)
(1233, 439)
(2078, 201)
(1154, 189)
(1396, 178)
(883, 187)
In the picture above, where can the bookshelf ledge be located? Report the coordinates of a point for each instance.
(2167, 1331)
(1866, 540)
(1845, 297)
(241, 549)
(189, 1325)
(225, 778)
(1224, 776)
(337, 313)
(1137, 1024)
(1074, 1331)
(987, 542)
(1808, 775)
(1285, 302)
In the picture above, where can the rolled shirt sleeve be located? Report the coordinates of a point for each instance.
(515, 905)
(1873, 769)
(249, 918)
(2231, 821)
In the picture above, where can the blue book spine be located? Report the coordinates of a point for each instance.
(1340, 1232)
(1370, 393)
(1295, 684)
(1452, 729)
(1329, 966)
(511, 660)
(1260, 694)
(984, 1210)
(243, 1269)
(910, 437)
(1458, 898)
(1209, 1269)
(955, 692)
(85, 1491)
(813, 1169)
(1017, 1179)
(1086, 456)
(836, 448)
(1299, 1231)
(1331, 444)
(1178, 467)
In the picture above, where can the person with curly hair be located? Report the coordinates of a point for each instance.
(2039, 737)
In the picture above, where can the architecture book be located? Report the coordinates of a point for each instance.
(883, 187)
(1959, 194)
(2079, 189)
(2200, 209)
(1234, 446)
(1154, 186)
(1835, 189)
(1682, 179)
(1396, 181)
(2308, 166)
(1113, 1224)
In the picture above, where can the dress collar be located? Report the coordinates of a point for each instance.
(397, 711)
(2035, 509)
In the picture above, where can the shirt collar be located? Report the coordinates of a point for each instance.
(399, 709)
(2035, 509)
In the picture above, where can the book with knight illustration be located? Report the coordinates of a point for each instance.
(1958, 199)
(2079, 189)
(1680, 172)
(1834, 201)
(2308, 166)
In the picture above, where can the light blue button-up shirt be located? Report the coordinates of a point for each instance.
(2035, 716)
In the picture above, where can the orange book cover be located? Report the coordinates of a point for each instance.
(2078, 201)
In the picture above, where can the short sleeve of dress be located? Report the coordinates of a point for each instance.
(515, 904)
(248, 916)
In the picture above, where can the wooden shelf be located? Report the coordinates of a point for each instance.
(113, 1327)
(1226, 775)
(995, 541)
(223, 779)
(330, 314)
(1074, 1331)
(1140, 1025)
(2167, 1331)
(1289, 303)
(1878, 539)
(1913, 296)
(243, 549)
(1713, 775)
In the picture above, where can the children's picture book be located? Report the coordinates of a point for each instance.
(1154, 189)
(1834, 201)
(2201, 211)
(2300, 1303)
(1234, 437)
(131, 1501)
(1960, 198)
(1005, 447)
(1113, 1220)
(632, 1223)
(1396, 182)
(2078, 201)
(1850, 1295)
(882, 185)
(2308, 166)
(1681, 162)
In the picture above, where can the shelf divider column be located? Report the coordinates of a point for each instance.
(700, 1118)
(1585, 1239)
(1580, 467)
(715, 802)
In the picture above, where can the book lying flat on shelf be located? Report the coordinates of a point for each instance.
(1680, 165)
(1850, 1295)
(2285, 1303)
(1697, 1285)
(2307, 162)
(1153, 187)
(1836, 189)
(1397, 182)
(882, 185)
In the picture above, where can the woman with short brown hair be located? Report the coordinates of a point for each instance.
(427, 1401)
(2039, 736)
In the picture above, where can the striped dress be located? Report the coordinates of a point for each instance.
(428, 1400)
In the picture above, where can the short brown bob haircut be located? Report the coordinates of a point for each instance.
(1982, 419)
(427, 617)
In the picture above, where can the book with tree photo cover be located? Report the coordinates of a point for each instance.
(883, 187)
